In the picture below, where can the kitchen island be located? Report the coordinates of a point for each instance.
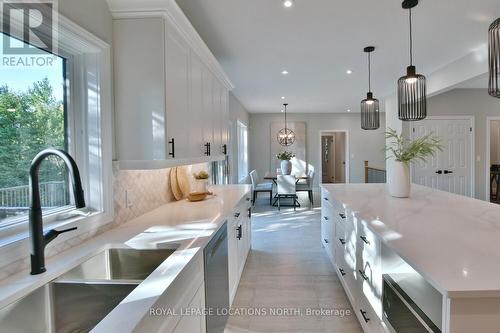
(437, 250)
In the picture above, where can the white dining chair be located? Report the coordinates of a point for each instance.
(260, 187)
(307, 186)
(286, 188)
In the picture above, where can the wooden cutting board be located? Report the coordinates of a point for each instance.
(183, 180)
(176, 191)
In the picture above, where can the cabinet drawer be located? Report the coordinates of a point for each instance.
(369, 320)
(328, 198)
(326, 234)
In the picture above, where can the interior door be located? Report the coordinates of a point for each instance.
(451, 169)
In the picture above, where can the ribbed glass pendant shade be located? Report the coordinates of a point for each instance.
(412, 100)
(494, 58)
(370, 114)
(412, 91)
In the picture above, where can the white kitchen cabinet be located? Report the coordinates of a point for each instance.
(239, 243)
(171, 95)
(193, 323)
(177, 80)
(139, 85)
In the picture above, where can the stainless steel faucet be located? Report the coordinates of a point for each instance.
(38, 239)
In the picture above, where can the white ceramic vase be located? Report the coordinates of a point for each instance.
(286, 167)
(399, 184)
(201, 185)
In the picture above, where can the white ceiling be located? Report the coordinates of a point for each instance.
(318, 40)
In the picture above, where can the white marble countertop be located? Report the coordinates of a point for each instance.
(451, 240)
(189, 225)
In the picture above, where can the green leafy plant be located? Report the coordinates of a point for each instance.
(285, 156)
(405, 150)
(200, 175)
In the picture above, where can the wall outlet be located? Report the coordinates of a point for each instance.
(129, 198)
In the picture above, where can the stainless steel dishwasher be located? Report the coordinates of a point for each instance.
(216, 282)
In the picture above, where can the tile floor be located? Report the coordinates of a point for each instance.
(287, 270)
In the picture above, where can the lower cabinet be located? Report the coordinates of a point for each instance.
(239, 242)
(357, 259)
(195, 322)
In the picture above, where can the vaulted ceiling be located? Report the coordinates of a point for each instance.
(317, 41)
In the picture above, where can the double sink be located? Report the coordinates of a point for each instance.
(79, 299)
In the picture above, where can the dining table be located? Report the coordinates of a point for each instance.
(274, 178)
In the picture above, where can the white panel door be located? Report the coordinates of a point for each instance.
(451, 169)
(208, 106)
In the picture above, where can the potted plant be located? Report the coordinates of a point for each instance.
(405, 151)
(201, 181)
(286, 165)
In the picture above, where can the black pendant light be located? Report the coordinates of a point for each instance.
(494, 58)
(370, 115)
(286, 137)
(412, 91)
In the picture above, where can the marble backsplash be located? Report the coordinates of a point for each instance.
(136, 192)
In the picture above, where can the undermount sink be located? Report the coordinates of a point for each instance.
(79, 299)
(120, 264)
(64, 306)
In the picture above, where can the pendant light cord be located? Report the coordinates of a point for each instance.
(369, 72)
(285, 120)
(411, 41)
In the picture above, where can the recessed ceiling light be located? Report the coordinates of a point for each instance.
(282, 97)
(348, 110)
(349, 71)
(285, 72)
(288, 3)
(282, 110)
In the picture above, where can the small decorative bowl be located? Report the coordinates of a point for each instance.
(197, 196)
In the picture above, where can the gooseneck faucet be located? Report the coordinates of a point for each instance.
(38, 239)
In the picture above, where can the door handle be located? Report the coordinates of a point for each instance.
(447, 172)
(439, 172)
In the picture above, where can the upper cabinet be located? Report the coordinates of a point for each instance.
(171, 96)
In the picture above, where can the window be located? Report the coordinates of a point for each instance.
(33, 116)
(242, 133)
(65, 105)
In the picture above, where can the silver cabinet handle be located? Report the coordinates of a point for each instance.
(363, 275)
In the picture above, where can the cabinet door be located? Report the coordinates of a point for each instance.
(177, 91)
(208, 107)
(139, 87)
(225, 116)
(217, 117)
(197, 114)
(193, 323)
(233, 256)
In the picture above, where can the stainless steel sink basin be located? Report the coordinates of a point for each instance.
(64, 306)
(120, 264)
(79, 299)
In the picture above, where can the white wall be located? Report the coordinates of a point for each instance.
(237, 112)
(470, 102)
(363, 145)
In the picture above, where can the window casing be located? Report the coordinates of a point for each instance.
(242, 136)
(88, 128)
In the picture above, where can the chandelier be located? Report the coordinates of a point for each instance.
(286, 137)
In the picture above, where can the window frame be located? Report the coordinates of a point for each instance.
(89, 131)
(242, 174)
